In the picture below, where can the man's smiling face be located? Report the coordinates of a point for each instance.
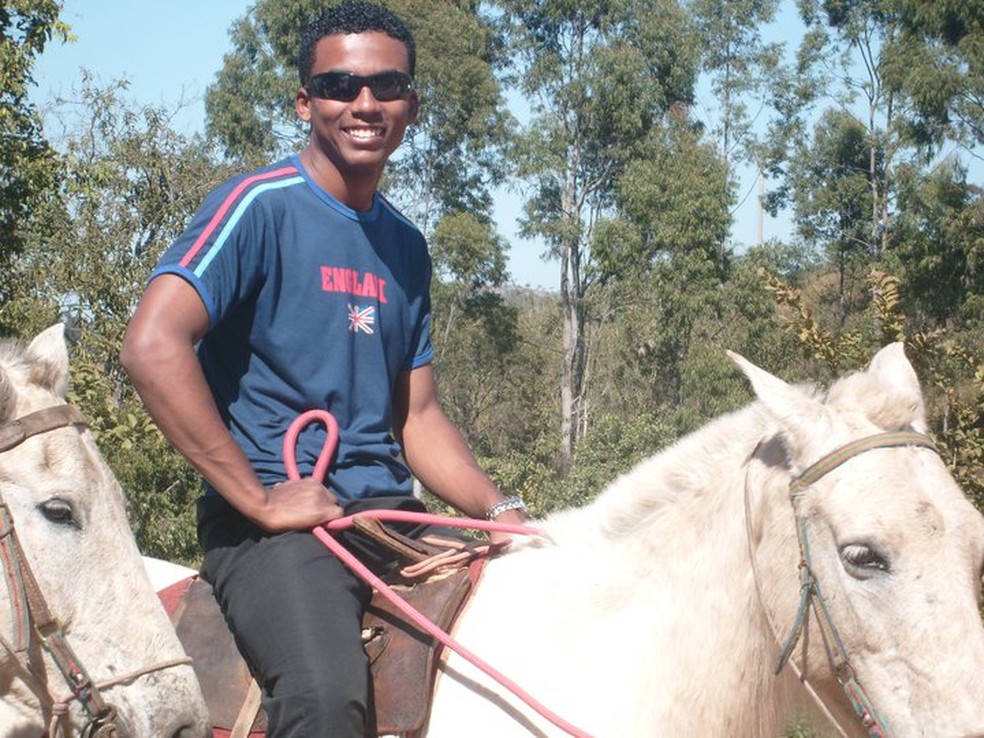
(351, 140)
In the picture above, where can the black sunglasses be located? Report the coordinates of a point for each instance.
(346, 86)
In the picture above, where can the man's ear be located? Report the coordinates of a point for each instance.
(414, 106)
(302, 104)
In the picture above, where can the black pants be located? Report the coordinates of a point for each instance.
(296, 613)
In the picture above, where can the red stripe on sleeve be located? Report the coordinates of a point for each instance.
(224, 208)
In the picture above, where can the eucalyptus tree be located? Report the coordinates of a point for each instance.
(852, 34)
(664, 267)
(904, 87)
(937, 58)
(937, 248)
(740, 64)
(474, 330)
(597, 76)
(832, 198)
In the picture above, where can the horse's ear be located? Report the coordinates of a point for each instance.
(888, 393)
(803, 419)
(48, 355)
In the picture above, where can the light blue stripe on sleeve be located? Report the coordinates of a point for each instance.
(236, 215)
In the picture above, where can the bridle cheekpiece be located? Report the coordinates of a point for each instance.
(811, 595)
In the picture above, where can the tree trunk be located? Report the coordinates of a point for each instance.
(573, 343)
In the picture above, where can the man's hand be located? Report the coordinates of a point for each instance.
(510, 517)
(297, 504)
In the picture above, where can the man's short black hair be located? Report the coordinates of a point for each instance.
(352, 16)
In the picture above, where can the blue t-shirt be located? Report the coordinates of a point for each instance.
(312, 305)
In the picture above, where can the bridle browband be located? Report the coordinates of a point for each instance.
(31, 614)
(811, 595)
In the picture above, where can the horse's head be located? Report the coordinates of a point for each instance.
(894, 546)
(69, 517)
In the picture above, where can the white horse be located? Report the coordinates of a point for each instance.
(77, 598)
(659, 609)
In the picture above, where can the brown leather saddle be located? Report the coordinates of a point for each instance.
(403, 658)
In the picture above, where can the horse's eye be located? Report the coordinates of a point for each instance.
(862, 561)
(60, 511)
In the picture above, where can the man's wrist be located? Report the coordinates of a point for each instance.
(510, 503)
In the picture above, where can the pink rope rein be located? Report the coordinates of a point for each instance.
(324, 534)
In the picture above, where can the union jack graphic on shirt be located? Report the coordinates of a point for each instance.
(361, 319)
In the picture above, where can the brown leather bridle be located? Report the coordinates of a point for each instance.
(811, 596)
(31, 614)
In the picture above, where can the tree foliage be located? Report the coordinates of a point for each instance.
(937, 60)
(26, 160)
(127, 185)
(955, 372)
(938, 244)
(740, 64)
(598, 77)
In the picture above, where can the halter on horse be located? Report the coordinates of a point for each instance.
(31, 614)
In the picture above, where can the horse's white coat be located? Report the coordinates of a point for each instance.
(88, 568)
(639, 615)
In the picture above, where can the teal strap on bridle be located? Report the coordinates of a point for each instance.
(855, 448)
(810, 593)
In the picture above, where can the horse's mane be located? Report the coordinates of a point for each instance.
(673, 481)
(696, 474)
(690, 477)
(12, 352)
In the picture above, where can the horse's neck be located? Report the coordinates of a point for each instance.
(671, 535)
(682, 491)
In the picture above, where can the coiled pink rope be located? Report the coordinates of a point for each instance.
(324, 534)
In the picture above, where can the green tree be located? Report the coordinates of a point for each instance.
(864, 185)
(520, 443)
(938, 245)
(855, 34)
(597, 77)
(128, 186)
(663, 263)
(27, 164)
(475, 331)
(740, 64)
(937, 59)
(832, 199)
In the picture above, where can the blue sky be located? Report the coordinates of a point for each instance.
(170, 52)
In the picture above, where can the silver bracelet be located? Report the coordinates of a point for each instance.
(510, 503)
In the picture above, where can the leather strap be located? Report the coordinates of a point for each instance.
(248, 712)
(27, 601)
(19, 430)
